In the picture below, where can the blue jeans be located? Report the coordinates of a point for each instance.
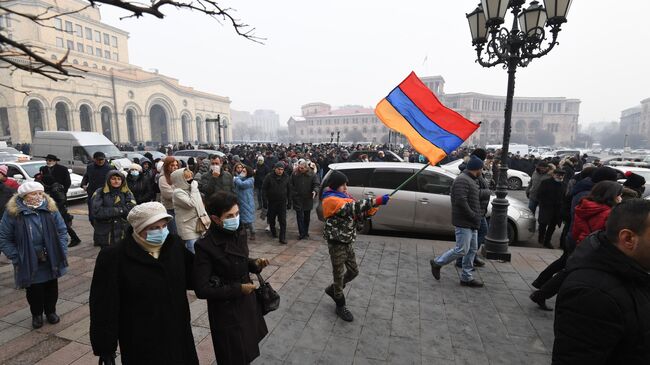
(466, 246)
(482, 232)
(532, 205)
(189, 244)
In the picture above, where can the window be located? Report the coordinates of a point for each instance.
(94, 65)
(107, 39)
(89, 34)
(80, 47)
(59, 42)
(70, 45)
(89, 50)
(114, 41)
(98, 52)
(115, 56)
(85, 63)
(98, 36)
(433, 183)
(357, 177)
(391, 179)
(58, 24)
(13, 171)
(75, 62)
(68, 26)
(78, 30)
(80, 154)
(107, 54)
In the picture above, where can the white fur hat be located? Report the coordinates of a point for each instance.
(145, 214)
(29, 187)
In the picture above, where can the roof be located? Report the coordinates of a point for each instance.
(388, 165)
(345, 111)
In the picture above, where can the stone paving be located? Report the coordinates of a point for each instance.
(402, 315)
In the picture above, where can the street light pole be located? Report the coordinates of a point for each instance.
(512, 48)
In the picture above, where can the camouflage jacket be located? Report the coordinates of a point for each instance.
(341, 212)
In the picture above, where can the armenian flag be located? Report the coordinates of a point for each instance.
(414, 111)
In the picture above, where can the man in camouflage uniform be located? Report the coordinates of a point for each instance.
(341, 211)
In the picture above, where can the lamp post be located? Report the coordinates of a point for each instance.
(512, 48)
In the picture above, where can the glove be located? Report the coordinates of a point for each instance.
(382, 200)
(107, 359)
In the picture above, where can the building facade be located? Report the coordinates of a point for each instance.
(120, 100)
(636, 120)
(261, 125)
(531, 117)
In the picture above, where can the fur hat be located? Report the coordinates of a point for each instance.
(146, 214)
(29, 187)
(474, 163)
(336, 180)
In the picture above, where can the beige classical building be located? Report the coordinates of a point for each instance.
(123, 101)
(556, 115)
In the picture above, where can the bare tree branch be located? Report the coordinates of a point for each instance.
(22, 56)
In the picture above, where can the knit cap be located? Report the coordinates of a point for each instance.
(336, 179)
(474, 164)
(135, 166)
(633, 180)
(146, 214)
(29, 187)
(3, 169)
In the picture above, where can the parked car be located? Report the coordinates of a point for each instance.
(637, 170)
(390, 156)
(25, 171)
(132, 155)
(198, 153)
(155, 154)
(517, 180)
(423, 205)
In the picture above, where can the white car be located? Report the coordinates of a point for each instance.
(637, 170)
(25, 171)
(516, 179)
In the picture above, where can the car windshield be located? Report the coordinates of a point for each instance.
(32, 168)
(11, 151)
(109, 150)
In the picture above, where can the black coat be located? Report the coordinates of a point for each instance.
(95, 176)
(141, 302)
(277, 188)
(236, 321)
(6, 193)
(465, 197)
(260, 173)
(110, 208)
(602, 311)
(60, 174)
(141, 187)
(550, 196)
(302, 187)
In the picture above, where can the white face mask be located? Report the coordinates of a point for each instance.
(50, 164)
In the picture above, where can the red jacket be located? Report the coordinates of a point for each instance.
(12, 183)
(589, 217)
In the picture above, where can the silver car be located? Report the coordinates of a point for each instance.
(423, 205)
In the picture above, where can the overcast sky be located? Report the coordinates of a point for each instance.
(355, 52)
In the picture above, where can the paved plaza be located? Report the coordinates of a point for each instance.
(402, 315)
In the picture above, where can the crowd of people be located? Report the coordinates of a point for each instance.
(165, 226)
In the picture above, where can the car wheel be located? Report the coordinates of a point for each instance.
(366, 227)
(512, 236)
(514, 183)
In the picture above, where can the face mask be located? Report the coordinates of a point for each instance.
(157, 236)
(135, 173)
(190, 181)
(231, 224)
(34, 202)
(558, 179)
(242, 175)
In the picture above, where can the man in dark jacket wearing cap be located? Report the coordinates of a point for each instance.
(466, 217)
(277, 190)
(635, 182)
(603, 308)
(60, 173)
(95, 177)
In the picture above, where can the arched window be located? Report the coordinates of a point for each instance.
(35, 116)
(85, 118)
(61, 113)
(107, 121)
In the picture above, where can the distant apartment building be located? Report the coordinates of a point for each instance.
(114, 97)
(262, 125)
(555, 115)
(636, 120)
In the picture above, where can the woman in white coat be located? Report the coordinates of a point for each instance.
(191, 219)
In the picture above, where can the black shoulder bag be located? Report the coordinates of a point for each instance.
(268, 298)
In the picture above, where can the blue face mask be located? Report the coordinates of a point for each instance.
(157, 236)
(135, 173)
(231, 224)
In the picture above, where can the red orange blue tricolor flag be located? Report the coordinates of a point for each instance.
(414, 111)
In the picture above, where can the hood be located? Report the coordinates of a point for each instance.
(15, 205)
(179, 181)
(596, 252)
(587, 209)
(107, 186)
(581, 186)
(143, 160)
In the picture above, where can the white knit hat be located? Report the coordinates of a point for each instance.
(146, 214)
(135, 166)
(29, 187)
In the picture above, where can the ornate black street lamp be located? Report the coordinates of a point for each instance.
(496, 45)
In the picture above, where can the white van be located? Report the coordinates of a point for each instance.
(514, 148)
(76, 149)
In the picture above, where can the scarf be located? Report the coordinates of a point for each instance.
(153, 250)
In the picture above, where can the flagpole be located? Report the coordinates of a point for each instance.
(409, 179)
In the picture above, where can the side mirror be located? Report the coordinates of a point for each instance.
(18, 177)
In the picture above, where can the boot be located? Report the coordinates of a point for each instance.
(341, 310)
(37, 321)
(537, 297)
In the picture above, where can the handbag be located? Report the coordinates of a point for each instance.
(202, 224)
(268, 298)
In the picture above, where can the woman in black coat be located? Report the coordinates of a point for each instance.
(138, 295)
(110, 206)
(222, 276)
(550, 195)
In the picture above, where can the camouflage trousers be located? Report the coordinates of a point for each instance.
(344, 265)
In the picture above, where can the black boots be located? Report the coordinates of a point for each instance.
(537, 297)
(37, 321)
(341, 310)
(52, 318)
